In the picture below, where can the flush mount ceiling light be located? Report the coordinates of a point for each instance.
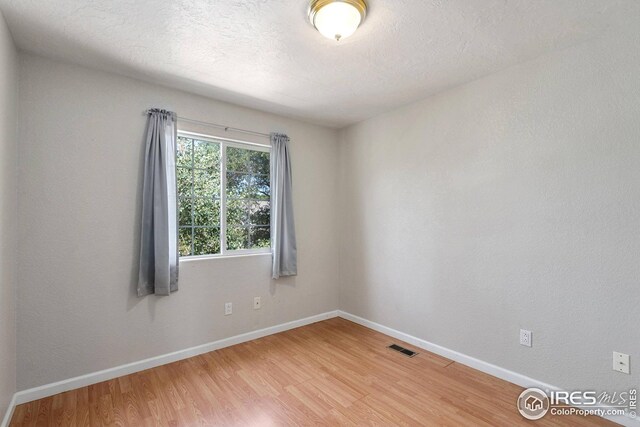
(337, 19)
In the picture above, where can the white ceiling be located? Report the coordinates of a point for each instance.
(264, 53)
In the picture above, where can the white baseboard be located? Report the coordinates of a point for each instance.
(130, 368)
(7, 416)
(488, 368)
(118, 371)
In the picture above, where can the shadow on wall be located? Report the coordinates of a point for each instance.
(133, 299)
(282, 281)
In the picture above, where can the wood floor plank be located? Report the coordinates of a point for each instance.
(329, 373)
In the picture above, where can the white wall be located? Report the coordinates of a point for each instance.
(510, 202)
(8, 214)
(81, 148)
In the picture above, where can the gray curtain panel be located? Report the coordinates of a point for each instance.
(283, 233)
(158, 272)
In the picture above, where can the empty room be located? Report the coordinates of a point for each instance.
(319, 212)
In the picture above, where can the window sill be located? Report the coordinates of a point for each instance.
(239, 254)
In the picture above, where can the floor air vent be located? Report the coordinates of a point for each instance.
(402, 350)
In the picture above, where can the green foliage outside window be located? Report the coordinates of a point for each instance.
(200, 203)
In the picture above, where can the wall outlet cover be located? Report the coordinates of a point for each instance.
(257, 303)
(621, 362)
(228, 308)
(526, 338)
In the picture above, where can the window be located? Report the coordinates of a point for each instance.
(223, 196)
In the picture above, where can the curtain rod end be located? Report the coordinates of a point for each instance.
(173, 115)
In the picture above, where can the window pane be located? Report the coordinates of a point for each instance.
(183, 151)
(238, 159)
(259, 162)
(247, 186)
(259, 213)
(237, 212)
(206, 183)
(183, 176)
(184, 242)
(184, 211)
(206, 155)
(260, 237)
(206, 212)
(237, 238)
(239, 186)
(206, 241)
(262, 187)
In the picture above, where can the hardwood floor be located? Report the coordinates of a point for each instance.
(330, 373)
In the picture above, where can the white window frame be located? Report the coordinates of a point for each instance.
(224, 143)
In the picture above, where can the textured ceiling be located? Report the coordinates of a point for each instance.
(264, 54)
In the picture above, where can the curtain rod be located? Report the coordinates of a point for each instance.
(225, 128)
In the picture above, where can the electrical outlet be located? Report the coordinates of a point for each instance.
(526, 338)
(257, 303)
(621, 362)
(228, 308)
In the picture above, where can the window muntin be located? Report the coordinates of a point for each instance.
(215, 222)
